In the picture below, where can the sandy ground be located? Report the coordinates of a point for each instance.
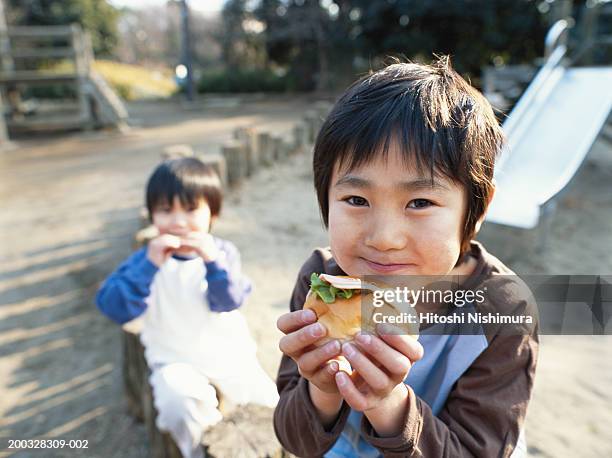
(69, 210)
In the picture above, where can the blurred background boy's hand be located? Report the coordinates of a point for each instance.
(202, 244)
(161, 248)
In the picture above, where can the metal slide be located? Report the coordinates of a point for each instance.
(550, 131)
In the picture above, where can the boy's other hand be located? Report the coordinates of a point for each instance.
(202, 243)
(315, 364)
(161, 248)
(380, 365)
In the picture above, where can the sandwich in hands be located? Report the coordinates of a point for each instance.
(342, 306)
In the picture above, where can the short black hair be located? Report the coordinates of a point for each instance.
(187, 178)
(441, 123)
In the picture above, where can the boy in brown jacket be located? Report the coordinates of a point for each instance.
(403, 169)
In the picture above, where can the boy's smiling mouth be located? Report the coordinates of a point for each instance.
(385, 267)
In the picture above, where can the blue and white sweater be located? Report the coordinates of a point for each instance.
(180, 304)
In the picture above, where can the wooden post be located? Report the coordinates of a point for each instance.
(7, 65)
(276, 143)
(82, 71)
(5, 143)
(247, 136)
(217, 162)
(133, 374)
(264, 148)
(176, 151)
(247, 432)
(310, 120)
(88, 54)
(235, 159)
(287, 147)
(250, 138)
(299, 131)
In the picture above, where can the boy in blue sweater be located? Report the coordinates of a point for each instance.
(187, 286)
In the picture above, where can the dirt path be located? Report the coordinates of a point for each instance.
(69, 209)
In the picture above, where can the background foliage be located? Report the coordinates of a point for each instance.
(304, 45)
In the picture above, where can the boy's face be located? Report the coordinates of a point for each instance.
(178, 220)
(386, 219)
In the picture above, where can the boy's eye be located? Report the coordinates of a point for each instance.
(356, 201)
(419, 203)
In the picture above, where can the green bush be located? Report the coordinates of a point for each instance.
(243, 81)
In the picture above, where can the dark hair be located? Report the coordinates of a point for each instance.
(187, 178)
(441, 123)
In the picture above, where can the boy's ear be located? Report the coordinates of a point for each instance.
(482, 218)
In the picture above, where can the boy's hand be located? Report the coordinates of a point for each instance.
(315, 364)
(202, 243)
(161, 248)
(380, 365)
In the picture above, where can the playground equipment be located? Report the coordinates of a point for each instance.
(550, 131)
(58, 59)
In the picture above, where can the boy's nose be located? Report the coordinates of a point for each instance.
(179, 220)
(385, 234)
